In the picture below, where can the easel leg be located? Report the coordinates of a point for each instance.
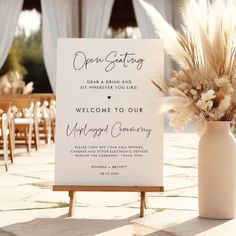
(72, 203)
(142, 204)
(145, 201)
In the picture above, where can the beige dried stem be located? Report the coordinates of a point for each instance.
(205, 53)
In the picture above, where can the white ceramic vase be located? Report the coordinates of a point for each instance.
(217, 172)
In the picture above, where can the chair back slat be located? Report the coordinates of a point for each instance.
(5, 106)
(19, 102)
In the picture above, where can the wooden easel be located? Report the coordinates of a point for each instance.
(142, 189)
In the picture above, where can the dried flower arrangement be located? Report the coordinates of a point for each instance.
(12, 83)
(204, 86)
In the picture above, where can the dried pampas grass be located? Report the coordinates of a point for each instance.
(12, 83)
(204, 88)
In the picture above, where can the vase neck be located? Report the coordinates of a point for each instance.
(221, 126)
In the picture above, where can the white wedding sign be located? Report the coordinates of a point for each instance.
(109, 131)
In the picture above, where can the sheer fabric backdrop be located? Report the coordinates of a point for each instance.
(96, 17)
(9, 15)
(169, 11)
(61, 20)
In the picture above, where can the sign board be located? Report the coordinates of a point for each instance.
(109, 132)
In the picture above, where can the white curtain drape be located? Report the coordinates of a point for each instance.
(60, 20)
(96, 16)
(9, 15)
(146, 28)
(177, 20)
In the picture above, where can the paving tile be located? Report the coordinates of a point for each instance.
(28, 206)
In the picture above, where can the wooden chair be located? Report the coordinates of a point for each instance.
(25, 110)
(36, 116)
(51, 99)
(53, 116)
(6, 132)
(47, 116)
(25, 120)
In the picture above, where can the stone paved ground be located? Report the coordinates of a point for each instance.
(28, 206)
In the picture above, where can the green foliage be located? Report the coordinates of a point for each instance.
(14, 59)
(33, 47)
(33, 61)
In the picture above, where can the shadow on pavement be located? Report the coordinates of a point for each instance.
(64, 226)
(192, 227)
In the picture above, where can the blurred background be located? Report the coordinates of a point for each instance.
(25, 63)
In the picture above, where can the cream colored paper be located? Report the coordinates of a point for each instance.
(108, 128)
